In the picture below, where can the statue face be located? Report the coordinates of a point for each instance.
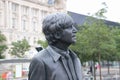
(69, 35)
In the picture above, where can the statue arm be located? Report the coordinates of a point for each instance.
(36, 70)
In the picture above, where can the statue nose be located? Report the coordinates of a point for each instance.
(74, 29)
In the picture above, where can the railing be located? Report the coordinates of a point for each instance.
(23, 60)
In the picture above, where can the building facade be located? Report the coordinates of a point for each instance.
(22, 19)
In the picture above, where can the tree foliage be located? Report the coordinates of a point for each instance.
(3, 46)
(93, 39)
(116, 32)
(19, 48)
(44, 44)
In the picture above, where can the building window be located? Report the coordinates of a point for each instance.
(0, 16)
(42, 1)
(34, 40)
(17, 37)
(14, 22)
(24, 24)
(34, 12)
(43, 14)
(34, 25)
(51, 2)
(1, 4)
(25, 10)
(28, 39)
(24, 37)
(14, 7)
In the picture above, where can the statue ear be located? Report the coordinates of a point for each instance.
(57, 35)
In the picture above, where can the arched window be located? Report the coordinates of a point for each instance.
(51, 2)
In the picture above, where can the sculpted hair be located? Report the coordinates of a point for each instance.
(54, 24)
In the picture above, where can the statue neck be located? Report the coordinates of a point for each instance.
(62, 46)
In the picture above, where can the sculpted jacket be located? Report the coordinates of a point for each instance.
(46, 65)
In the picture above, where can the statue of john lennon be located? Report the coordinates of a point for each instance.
(57, 61)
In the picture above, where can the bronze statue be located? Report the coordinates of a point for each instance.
(57, 61)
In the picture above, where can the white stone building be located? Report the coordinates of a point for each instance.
(21, 19)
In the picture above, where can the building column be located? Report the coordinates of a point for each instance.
(6, 16)
(19, 18)
(30, 20)
(10, 14)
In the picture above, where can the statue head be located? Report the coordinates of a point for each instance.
(54, 26)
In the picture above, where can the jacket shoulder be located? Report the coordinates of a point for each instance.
(42, 54)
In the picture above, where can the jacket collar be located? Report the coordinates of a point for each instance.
(55, 53)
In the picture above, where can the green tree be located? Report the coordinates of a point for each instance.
(44, 44)
(94, 41)
(19, 48)
(3, 46)
(116, 32)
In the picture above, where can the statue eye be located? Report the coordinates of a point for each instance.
(68, 27)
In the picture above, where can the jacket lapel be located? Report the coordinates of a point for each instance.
(77, 65)
(78, 69)
(66, 68)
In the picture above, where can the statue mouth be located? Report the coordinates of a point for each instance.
(73, 35)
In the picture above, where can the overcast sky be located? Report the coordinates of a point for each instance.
(92, 6)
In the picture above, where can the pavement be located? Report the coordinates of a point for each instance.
(114, 74)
